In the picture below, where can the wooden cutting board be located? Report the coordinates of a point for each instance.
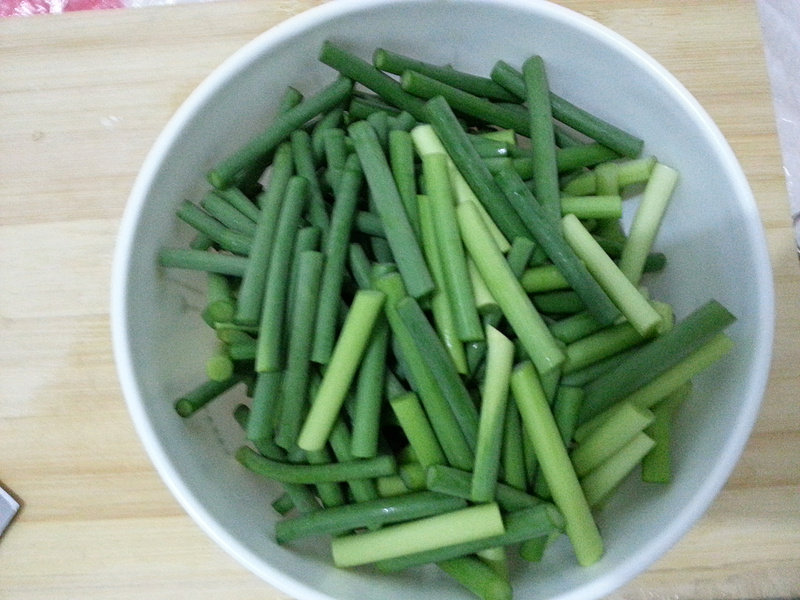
(82, 98)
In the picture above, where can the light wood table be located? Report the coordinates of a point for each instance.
(82, 98)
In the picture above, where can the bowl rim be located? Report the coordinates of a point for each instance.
(598, 587)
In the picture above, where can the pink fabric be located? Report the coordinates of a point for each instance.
(10, 8)
(92, 4)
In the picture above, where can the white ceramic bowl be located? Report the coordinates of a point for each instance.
(711, 233)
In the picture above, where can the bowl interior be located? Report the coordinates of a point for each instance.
(711, 234)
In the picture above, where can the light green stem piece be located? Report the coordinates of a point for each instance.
(599, 345)
(543, 278)
(477, 576)
(484, 301)
(610, 437)
(426, 141)
(647, 221)
(598, 484)
(555, 463)
(440, 307)
(499, 362)
(672, 379)
(657, 464)
(417, 428)
(619, 288)
(592, 207)
(454, 527)
(458, 284)
(345, 359)
(517, 307)
(668, 382)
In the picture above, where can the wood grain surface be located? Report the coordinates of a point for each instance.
(82, 98)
